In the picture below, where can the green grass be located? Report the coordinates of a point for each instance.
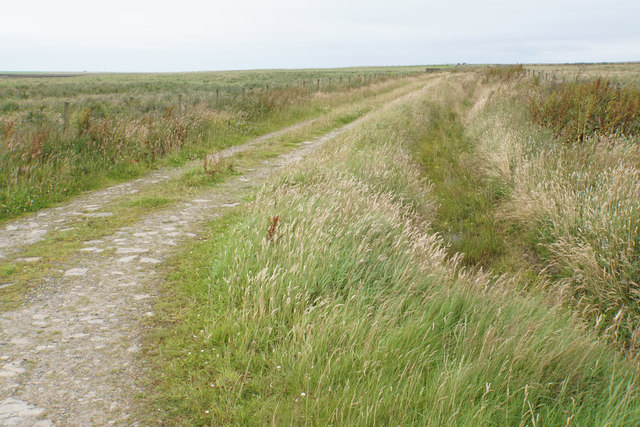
(350, 312)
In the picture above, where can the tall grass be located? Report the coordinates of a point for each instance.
(348, 311)
(578, 204)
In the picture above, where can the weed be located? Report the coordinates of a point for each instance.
(576, 111)
(273, 226)
(214, 164)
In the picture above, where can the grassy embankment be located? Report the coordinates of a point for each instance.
(330, 300)
(122, 125)
(571, 184)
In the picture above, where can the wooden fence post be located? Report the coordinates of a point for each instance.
(318, 85)
(244, 92)
(180, 103)
(217, 95)
(67, 116)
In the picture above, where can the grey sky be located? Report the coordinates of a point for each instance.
(191, 35)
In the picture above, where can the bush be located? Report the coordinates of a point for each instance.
(577, 110)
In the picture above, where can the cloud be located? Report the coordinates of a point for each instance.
(141, 35)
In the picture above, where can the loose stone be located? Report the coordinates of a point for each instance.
(76, 272)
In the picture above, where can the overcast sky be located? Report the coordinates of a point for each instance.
(193, 35)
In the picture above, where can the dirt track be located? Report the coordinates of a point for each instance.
(68, 357)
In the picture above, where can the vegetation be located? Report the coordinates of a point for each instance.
(576, 200)
(120, 126)
(467, 255)
(577, 111)
(331, 300)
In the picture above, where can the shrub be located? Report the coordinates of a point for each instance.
(577, 110)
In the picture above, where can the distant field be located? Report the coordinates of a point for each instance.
(626, 72)
(119, 125)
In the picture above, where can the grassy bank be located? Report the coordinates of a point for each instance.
(121, 126)
(330, 300)
(576, 200)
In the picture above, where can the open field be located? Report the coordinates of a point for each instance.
(626, 73)
(450, 248)
(119, 126)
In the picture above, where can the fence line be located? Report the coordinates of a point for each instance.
(358, 81)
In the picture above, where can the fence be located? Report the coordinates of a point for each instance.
(554, 78)
(352, 81)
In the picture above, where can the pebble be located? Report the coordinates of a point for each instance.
(11, 410)
(29, 259)
(76, 272)
(99, 214)
(146, 260)
(131, 250)
(128, 258)
(92, 249)
(11, 370)
(36, 234)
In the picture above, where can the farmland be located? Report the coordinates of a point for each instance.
(448, 248)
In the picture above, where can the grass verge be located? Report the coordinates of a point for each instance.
(329, 301)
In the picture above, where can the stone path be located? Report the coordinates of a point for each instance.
(29, 230)
(68, 357)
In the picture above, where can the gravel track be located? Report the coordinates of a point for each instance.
(69, 355)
